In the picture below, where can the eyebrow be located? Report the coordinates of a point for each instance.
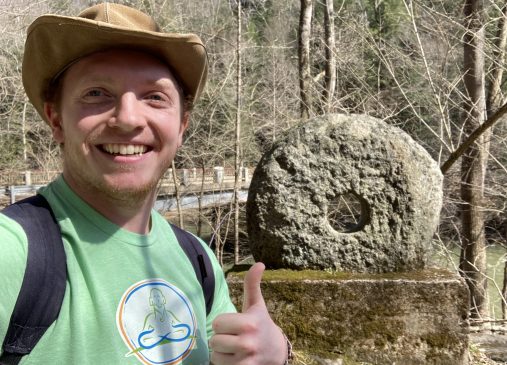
(166, 82)
(162, 82)
(93, 78)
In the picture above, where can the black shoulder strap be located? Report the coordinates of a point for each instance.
(201, 263)
(44, 282)
(43, 288)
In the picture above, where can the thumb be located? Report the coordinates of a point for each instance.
(252, 294)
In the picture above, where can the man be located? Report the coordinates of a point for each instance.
(117, 95)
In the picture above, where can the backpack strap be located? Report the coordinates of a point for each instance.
(201, 263)
(44, 281)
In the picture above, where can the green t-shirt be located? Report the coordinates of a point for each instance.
(129, 299)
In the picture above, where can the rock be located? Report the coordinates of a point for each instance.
(492, 344)
(394, 180)
(415, 318)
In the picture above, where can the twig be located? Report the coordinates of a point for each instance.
(472, 138)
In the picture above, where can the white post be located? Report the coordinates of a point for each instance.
(28, 178)
(218, 174)
(245, 174)
(184, 177)
(12, 194)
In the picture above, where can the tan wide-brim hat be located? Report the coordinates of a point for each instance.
(54, 42)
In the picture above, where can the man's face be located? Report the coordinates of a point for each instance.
(120, 121)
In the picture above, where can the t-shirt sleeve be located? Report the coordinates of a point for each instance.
(221, 301)
(13, 255)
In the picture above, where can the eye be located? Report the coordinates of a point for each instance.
(156, 97)
(94, 93)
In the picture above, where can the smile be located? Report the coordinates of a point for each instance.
(124, 149)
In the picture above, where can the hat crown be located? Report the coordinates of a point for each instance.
(55, 42)
(120, 15)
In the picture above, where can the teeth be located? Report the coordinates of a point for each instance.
(124, 149)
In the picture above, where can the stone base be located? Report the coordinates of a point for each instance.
(403, 318)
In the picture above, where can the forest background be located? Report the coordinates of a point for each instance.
(433, 68)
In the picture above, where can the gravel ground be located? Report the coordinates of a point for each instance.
(488, 347)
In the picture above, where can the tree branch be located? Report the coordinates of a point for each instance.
(472, 138)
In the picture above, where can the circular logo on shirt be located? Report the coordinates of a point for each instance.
(156, 322)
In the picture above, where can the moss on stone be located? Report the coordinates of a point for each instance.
(320, 357)
(441, 340)
(382, 332)
(366, 317)
(285, 274)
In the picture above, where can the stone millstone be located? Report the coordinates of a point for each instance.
(296, 183)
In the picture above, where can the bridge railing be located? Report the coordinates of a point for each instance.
(30, 177)
(215, 175)
(209, 175)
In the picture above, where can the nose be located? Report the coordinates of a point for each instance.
(128, 113)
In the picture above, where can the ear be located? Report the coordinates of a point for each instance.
(54, 121)
(185, 121)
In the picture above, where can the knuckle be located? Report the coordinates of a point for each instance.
(212, 342)
(216, 324)
(250, 327)
(249, 347)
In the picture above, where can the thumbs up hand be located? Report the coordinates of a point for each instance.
(250, 337)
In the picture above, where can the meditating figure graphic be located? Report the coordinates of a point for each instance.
(161, 326)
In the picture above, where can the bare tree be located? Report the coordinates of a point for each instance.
(495, 99)
(305, 28)
(330, 79)
(474, 160)
(494, 103)
(178, 196)
(237, 153)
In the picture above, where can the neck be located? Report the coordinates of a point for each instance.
(129, 211)
(132, 216)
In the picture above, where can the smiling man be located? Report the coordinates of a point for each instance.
(120, 119)
(117, 94)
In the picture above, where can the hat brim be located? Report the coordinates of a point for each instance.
(54, 42)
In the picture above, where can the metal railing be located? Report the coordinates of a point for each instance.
(16, 183)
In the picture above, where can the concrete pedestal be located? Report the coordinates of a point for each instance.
(401, 318)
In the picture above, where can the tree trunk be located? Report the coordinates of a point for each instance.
(494, 103)
(237, 154)
(473, 166)
(23, 136)
(200, 199)
(495, 100)
(177, 193)
(504, 291)
(305, 28)
(330, 56)
(219, 245)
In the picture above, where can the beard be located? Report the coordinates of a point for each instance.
(112, 189)
(131, 195)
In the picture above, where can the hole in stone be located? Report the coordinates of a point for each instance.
(347, 213)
